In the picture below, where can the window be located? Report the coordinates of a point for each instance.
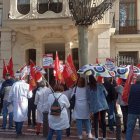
(23, 6)
(49, 5)
(126, 58)
(128, 16)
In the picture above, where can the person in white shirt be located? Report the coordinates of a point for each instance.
(60, 122)
(81, 110)
(41, 99)
(18, 96)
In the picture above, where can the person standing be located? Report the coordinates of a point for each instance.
(133, 108)
(41, 99)
(110, 100)
(7, 108)
(96, 94)
(57, 122)
(32, 110)
(18, 96)
(124, 106)
(81, 110)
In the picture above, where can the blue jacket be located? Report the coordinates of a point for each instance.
(8, 82)
(134, 99)
(97, 99)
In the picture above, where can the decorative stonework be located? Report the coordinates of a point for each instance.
(33, 14)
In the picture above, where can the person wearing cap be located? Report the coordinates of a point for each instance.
(7, 108)
(18, 96)
(41, 99)
(133, 108)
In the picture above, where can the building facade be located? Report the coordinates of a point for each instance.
(31, 28)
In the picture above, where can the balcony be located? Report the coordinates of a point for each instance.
(127, 27)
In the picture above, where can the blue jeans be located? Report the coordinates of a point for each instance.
(5, 113)
(79, 125)
(58, 133)
(111, 116)
(19, 127)
(131, 122)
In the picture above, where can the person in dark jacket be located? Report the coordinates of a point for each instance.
(110, 100)
(133, 108)
(32, 110)
(7, 108)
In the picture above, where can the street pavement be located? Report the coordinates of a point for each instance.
(29, 134)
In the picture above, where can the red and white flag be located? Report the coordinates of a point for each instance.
(58, 71)
(69, 72)
(35, 76)
(127, 85)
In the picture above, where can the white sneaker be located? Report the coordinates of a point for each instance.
(104, 138)
(96, 139)
(90, 136)
(80, 137)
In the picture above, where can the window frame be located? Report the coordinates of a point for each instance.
(23, 9)
(128, 29)
(56, 7)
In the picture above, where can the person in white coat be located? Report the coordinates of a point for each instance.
(18, 96)
(41, 99)
(81, 110)
(58, 123)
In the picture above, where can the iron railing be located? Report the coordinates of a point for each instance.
(126, 27)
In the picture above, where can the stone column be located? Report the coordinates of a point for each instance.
(68, 35)
(68, 45)
(138, 16)
(6, 48)
(104, 46)
(39, 53)
(103, 32)
(93, 46)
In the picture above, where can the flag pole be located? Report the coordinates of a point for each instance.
(48, 72)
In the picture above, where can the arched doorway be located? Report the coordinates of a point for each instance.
(30, 55)
(51, 48)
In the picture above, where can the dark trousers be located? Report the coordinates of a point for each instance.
(31, 110)
(1, 105)
(19, 127)
(103, 123)
(124, 110)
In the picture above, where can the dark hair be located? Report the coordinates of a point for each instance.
(41, 84)
(81, 82)
(92, 82)
(59, 87)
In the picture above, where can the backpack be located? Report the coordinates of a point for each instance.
(55, 107)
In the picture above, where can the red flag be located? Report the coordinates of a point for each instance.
(23, 72)
(35, 76)
(5, 70)
(58, 72)
(138, 65)
(99, 79)
(69, 72)
(119, 81)
(127, 85)
(97, 61)
(10, 67)
(32, 81)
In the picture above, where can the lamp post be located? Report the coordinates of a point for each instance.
(85, 13)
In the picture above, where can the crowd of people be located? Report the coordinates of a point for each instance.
(88, 103)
